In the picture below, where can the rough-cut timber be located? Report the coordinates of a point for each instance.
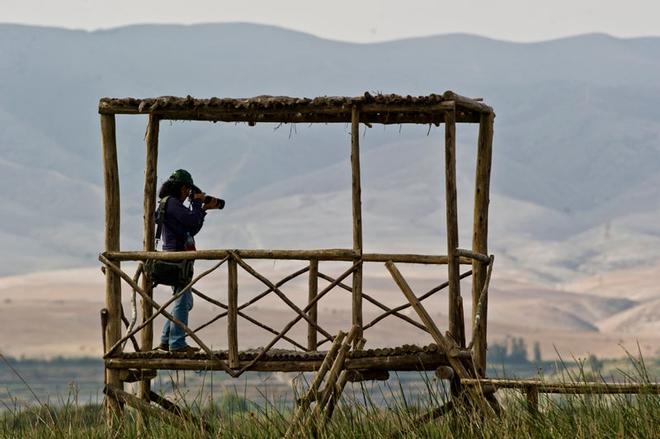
(480, 237)
(112, 282)
(356, 191)
(304, 255)
(312, 393)
(446, 344)
(447, 108)
(313, 289)
(232, 316)
(564, 388)
(379, 108)
(456, 323)
(402, 358)
(149, 204)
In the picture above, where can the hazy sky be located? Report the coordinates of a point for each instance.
(359, 20)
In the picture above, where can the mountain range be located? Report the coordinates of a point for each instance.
(575, 179)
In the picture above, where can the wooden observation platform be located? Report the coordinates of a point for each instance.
(466, 359)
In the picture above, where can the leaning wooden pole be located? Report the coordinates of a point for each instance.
(480, 236)
(112, 280)
(150, 178)
(357, 220)
(447, 345)
(456, 324)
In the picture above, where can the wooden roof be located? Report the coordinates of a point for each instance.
(380, 108)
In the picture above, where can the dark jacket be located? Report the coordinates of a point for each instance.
(179, 222)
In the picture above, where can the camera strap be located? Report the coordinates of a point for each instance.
(160, 217)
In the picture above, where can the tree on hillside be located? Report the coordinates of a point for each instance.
(518, 353)
(537, 353)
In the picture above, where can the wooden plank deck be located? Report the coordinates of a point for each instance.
(401, 358)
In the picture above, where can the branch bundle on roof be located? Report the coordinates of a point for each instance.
(380, 108)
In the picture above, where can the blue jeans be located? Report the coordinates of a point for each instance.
(173, 335)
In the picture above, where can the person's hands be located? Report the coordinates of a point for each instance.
(199, 196)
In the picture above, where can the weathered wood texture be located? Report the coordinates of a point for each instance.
(112, 221)
(301, 315)
(532, 396)
(565, 388)
(162, 311)
(357, 220)
(180, 411)
(232, 312)
(240, 314)
(341, 384)
(149, 206)
(448, 108)
(385, 109)
(380, 305)
(324, 254)
(159, 309)
(281, 295)
(324, 368)
(474, 256)
(303, 255)
(480, 238)
(255, 299)
(143, 407)
(332, 377)
(406, 362)
(446, 344)
(313, 289)
(478, 320)
(313, 391)
(424, 296)
(456, 324)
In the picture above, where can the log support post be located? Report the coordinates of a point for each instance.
(456, 323)
(480, 237)
(532, 394)
(150, 178)
(112, 280)
(232, 313)
(312, 340)
(357, 221)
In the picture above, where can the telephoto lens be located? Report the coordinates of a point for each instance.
(209, 199)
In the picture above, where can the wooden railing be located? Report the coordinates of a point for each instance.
(232, 310)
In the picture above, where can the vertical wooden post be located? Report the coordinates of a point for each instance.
(480, 235)
(456, 324)
(532, 395)
(312, 342)
(112, 281)
(357, 220)
(150, 178)
(232, 313)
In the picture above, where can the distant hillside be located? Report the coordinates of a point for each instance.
(577, 143)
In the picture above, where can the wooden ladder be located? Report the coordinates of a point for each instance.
(326, 399)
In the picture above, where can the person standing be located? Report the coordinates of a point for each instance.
(180, 224)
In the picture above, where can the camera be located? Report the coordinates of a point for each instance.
(208, 198)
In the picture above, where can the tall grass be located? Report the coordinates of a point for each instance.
(571, 416)
(365, 411)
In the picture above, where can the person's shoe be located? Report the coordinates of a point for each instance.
(185, 349)
(162, 347)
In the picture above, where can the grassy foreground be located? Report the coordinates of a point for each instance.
(586, 416)
(366, 410)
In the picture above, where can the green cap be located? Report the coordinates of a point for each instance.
(182, 176)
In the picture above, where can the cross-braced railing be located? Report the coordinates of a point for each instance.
(448, 109)
(232, 310)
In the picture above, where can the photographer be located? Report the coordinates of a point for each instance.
(179, 226)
